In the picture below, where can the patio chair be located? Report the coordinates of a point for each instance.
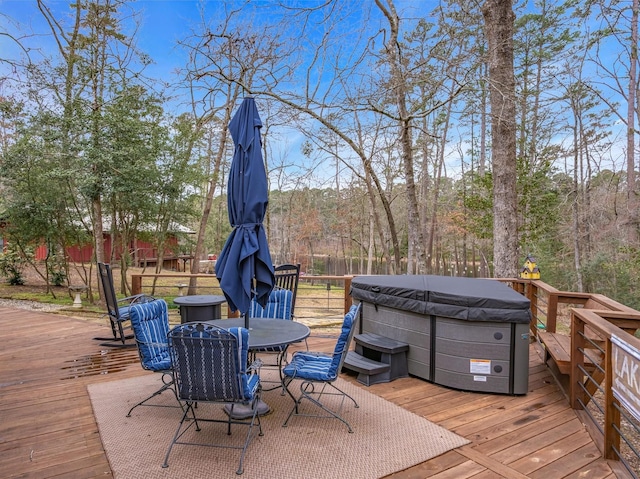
(150, 324)
(318, 372)
(210, 365)
(287, 277)
(278, 307)
(117, 310)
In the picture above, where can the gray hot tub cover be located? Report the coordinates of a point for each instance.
(469, 299)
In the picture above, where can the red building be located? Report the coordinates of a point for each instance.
(142, 252)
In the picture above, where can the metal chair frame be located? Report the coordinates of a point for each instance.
(287, 276)
(137, 317)
(117, 315)
(200, 378)
(326, 387)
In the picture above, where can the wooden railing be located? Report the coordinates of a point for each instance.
(321, 299)
(574, 332)
(605, 395)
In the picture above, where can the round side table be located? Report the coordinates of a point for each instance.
(200, 307)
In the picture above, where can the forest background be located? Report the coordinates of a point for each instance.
(376, 135)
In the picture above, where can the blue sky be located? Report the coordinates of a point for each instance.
(163, 22)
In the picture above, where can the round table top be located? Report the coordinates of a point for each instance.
(200, 300)
(266, 333)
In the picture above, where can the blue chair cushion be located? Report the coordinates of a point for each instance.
(310, 366)
(321, 367)
(347, 324)
(150, 324)
(251, 387)
(124, 312)
(248, 382)
(278, 305)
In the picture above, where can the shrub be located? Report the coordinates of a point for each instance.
(11, 267)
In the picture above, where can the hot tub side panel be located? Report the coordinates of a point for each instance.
(481, 356)
(411, 328)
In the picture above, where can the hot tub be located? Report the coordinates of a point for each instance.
(465, 333)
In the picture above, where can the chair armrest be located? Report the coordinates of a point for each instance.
(255, 366)
(137, 298)
(312, 353)
(148, 343)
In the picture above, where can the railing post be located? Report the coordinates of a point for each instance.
(532, 296)
(611, 412)
(552, 313)
(136, 284)
(577, 361)
(347, 297)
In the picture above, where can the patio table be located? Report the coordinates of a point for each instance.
(268, 333)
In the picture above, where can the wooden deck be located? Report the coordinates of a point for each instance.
(47, 428)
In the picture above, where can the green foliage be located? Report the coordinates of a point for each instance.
(478, 202)
(57, 277)
(616, 277)
(537, 200)
(12, 266)
(57, 274)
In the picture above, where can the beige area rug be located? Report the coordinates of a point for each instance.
(386, 438)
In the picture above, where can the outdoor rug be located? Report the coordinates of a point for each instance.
(386, 438)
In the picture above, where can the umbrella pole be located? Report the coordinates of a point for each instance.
(253, 295)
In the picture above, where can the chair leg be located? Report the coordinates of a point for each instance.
(121, 331)
(177, 435)
(119, 337)
(307, 390)
(247, 439)
(167, 384)
(255, 421)
(280, 357)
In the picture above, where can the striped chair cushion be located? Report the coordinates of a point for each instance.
(248, 382)
(278, 305)
(124, 312)
(321, 367)
(311, 366)
(150, 324)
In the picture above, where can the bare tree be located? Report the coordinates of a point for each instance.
(499, 18)
(633, 193)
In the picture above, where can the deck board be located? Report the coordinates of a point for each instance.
(48, 429)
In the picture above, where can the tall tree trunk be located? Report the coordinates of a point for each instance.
(415, 229)
(499, 18)
(632, 189)
(575, 204)
(482, 157)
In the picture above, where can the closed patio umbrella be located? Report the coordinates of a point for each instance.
(244, 268)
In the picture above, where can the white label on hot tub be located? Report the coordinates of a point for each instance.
(480, 366)
(482, 379)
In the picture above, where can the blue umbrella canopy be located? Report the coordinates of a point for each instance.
(244, 268)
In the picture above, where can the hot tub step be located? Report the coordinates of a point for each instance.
(369, 371)
(386, 351)
(379, 343)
